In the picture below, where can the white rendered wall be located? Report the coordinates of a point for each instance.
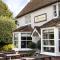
(21, 21)
(49, 10)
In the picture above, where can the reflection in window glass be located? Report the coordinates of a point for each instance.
(48, 42)
(48, 49)
(16, 44)
(23, 44)
(16, 40)
(15, 36)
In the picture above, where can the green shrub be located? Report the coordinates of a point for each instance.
(31, 53)
(8, 47)
(32, 45)
(39, 44)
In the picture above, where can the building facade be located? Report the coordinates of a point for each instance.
(39, 20)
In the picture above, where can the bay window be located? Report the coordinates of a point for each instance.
(48, 40)
(25, 40)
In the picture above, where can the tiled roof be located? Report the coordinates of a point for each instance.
(52, 23)
(35, 5)
(24, 29)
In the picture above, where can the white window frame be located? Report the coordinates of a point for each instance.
(42, 51)
(15, 40)
(56, 43)
(58, 10)
(47, 39)
(26, 35)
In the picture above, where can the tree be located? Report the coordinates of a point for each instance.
(4, 11)
(7, 25)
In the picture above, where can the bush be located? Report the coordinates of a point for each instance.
(31, 53)
(8, 47)
(39, 44)
(32, 45)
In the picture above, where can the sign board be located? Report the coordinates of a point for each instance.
(40, 18)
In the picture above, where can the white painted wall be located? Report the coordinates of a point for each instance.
(48, 10)
(21, 21)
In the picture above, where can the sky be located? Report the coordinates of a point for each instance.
(16, 5)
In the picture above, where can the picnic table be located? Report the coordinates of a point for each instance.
(11, 55)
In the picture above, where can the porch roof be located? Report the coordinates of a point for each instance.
(27, 28)
(52, 23)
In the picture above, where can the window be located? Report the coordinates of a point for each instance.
(49, 49)
(55, 11)
(16, 39)
(28, 19)
(16, 44)
(25, 40)
(59, 8)
(59, 40)
(15, 36)
(48, 40)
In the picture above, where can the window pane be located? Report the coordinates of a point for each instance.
(51, 36)
(48, 42)
(59, 45)
(23, 38)
(16, 44)
(59, 9)
(51, 42)
(29, 38)
(48, 34)
(48, 49)
(23, 44)
(59, 33)
(16, 36)
(45, 42)
(28, 42)
(45, 36)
